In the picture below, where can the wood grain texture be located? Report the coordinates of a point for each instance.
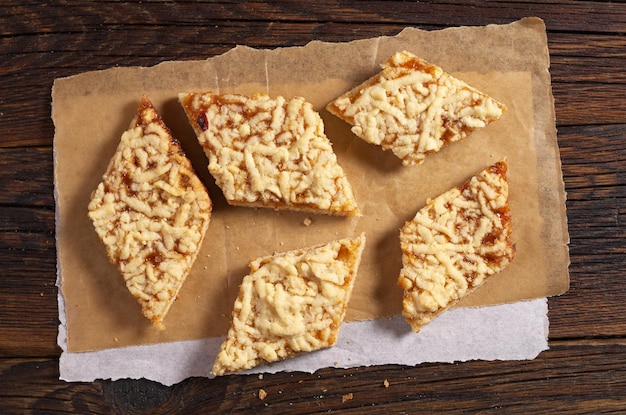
(583, 371)
(469, 387)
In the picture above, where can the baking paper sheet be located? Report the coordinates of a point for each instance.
(509, 62)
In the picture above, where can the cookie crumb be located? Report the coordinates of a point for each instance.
(307, 221)
(260, 376)
(262, 394)
(347, 397)
(386, 383)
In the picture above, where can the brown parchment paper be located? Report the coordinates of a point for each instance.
(509, 62)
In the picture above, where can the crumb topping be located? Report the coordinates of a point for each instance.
(151, 212)
(270, 152)
(454, 243)
(290, 303)
(414, 108)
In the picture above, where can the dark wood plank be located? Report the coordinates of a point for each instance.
(568, 379)
(27, 220)
(597, 59)
(586, 76)
(28, 296)
(601, 17)
(26, 175)
(593, 160)
(28, 311)
(588, 103)
(33, 386)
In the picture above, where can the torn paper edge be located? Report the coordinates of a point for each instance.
(516, 331)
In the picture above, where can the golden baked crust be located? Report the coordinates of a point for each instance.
(454, 244)
(414, 108)
(151, 212)
(290, 303)
(269, 152)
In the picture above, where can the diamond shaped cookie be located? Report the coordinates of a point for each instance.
(151, 212)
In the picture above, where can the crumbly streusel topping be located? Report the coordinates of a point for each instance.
(290, 303)
(270, 152)
(151, 212)
(414, 108)
(454, 243)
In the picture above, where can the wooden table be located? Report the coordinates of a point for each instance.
(584, 370)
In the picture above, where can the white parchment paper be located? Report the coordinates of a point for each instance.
(517, 331)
